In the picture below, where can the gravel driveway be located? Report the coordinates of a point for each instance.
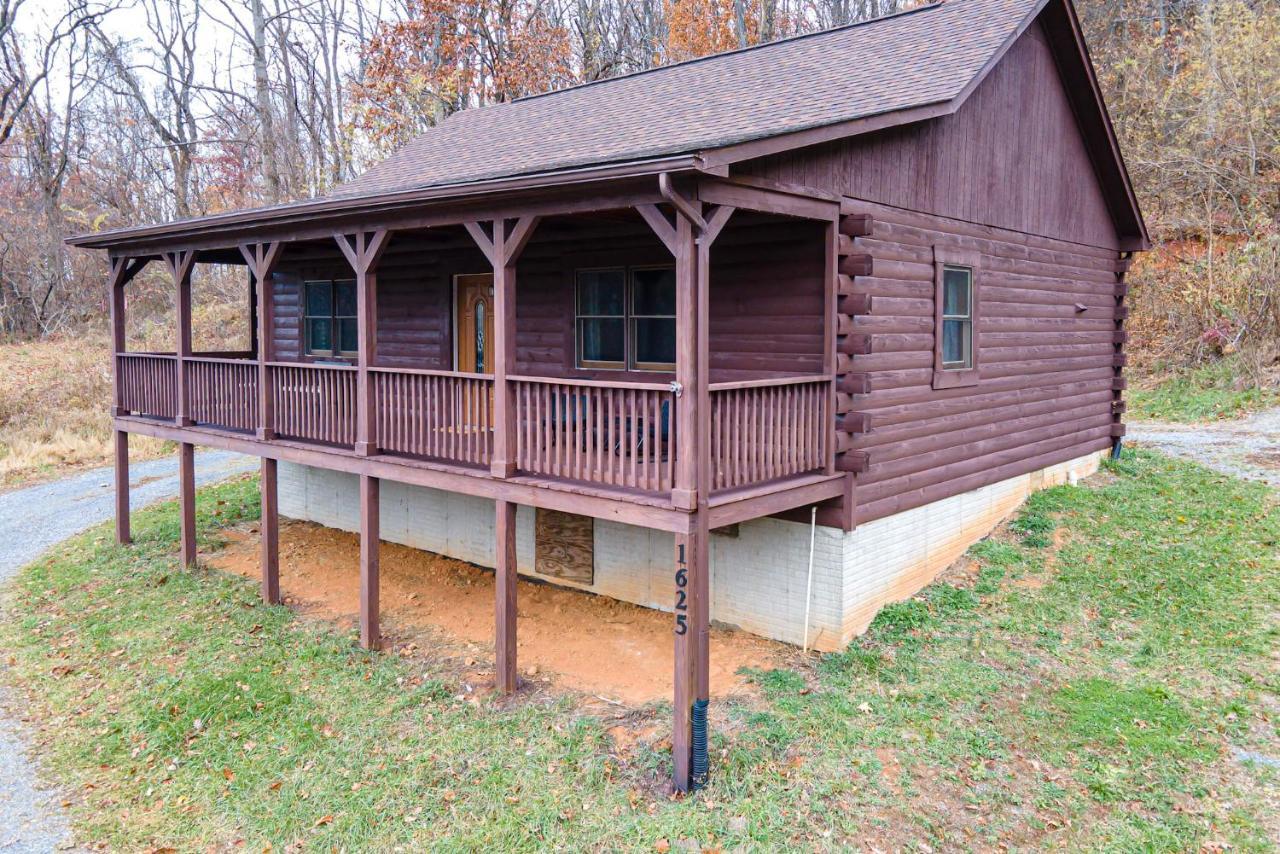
(32, 520)
(1248, 448)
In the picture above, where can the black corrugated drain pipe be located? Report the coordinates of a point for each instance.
(698, 723)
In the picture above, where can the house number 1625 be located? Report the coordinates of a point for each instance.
(682, 598)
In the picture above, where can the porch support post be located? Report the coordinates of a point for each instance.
(689, 701)
(503, 247)
(830, 288)
(261, 258)
(187, 501)
(504, 584)
(370, 531)
(122, 272)
(123, 536)
(690, 240)
(180, 265)
(685, 493)
(270, 533)
(363, 250)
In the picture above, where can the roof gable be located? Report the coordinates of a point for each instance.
(1012, 156)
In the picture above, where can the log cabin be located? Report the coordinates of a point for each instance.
(767, 337)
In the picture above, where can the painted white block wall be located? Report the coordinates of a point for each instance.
(758, 578)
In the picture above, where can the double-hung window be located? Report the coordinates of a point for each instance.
(957, 317)
(626, 319)
(956, 303)
(330, 318)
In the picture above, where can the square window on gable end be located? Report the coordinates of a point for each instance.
(957, 340)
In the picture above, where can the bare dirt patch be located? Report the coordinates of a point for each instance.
(588, 643)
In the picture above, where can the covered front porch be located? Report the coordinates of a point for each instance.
(655, 352)
(593, 398)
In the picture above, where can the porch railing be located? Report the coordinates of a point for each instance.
(314, 402)
(223, 392)
(437, 414)
(148, 384)
(618, 435)
(612, 434)
(763, 430)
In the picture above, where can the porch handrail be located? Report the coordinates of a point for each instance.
(148, 355)
(219, 360)
(431, 372)
(769, 382)
(585, 383)
(331, 366)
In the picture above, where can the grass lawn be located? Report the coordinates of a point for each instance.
(1210, 392)
(1086, 682)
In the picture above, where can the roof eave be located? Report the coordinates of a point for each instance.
(122, 239)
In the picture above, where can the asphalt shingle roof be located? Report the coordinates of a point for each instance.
(925, 56)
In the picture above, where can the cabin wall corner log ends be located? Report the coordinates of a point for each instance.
(868, 317)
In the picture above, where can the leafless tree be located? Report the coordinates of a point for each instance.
(168, 54)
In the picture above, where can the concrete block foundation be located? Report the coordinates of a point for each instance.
(758, 577)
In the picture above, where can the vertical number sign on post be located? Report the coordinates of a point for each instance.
(682, 598)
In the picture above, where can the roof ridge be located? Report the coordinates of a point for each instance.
(924, 7)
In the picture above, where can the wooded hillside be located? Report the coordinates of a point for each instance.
(115, 113)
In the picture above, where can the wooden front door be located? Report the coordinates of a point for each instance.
(474, 313)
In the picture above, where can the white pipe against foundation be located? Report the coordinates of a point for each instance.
(808, 587)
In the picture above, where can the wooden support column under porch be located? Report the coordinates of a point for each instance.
(703, 447)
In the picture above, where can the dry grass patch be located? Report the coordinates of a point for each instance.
(55, 408)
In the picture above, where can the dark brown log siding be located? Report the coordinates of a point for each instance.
(766, 299)
(1045, 393)
(1012, 157)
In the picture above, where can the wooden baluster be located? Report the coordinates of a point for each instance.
(536, 459)
(717, 441)
(392, 391)
(610, 437)
(771, 430)
(775, 438)
(439, 418)
(473, 421)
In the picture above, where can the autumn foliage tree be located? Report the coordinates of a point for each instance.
(447, 55)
